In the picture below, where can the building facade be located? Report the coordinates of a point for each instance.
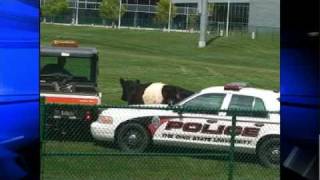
(240, 14)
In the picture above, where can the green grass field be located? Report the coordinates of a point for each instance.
(93, 165)
(172, 58)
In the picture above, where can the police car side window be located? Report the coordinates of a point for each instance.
(206, 101)
(241, 102)
(251, 106)
(259, 109)
(259, 105)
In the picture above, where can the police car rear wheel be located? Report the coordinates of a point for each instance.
(133, 138)
(269, 152)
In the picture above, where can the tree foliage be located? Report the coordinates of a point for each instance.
(109, 9)
(194, 18)
(211, 9)
(54, 7)
(162, 11)
(193, 21)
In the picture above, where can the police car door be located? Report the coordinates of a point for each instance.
(195, 129)
(251, 117)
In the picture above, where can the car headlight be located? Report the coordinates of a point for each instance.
(105, 119)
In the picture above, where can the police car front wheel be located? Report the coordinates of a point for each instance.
(269, 152)
(132, 138)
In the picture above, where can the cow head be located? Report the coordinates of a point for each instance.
(129, 88)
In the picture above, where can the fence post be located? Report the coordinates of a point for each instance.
(169, 16)
(77, 13)
(119, 15)
(203, 24)
(227, 21)
(231, 150)
(42, 131)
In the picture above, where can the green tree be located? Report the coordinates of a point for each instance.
(162, 12)
(109, 9)
(212, 24)
(211, 10)
(193, 21)
(52, 8)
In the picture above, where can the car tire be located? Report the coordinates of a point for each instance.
(133, 138)
(269, 152)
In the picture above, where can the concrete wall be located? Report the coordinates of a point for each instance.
(264, 13)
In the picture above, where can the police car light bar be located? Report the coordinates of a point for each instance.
(65, 43)
(235, 86)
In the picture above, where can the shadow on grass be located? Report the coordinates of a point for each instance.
(213, 39)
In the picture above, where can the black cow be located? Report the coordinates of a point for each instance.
(135, 92)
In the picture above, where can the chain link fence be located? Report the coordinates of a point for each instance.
(161, 143)
(181, 23)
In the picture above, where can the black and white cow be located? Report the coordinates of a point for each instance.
(135, 92)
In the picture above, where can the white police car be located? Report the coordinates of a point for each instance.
(134, 129)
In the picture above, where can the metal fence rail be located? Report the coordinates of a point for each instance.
(68, 150)
(142, 16)
(217, 29)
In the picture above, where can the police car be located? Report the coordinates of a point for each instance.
(134, 129)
